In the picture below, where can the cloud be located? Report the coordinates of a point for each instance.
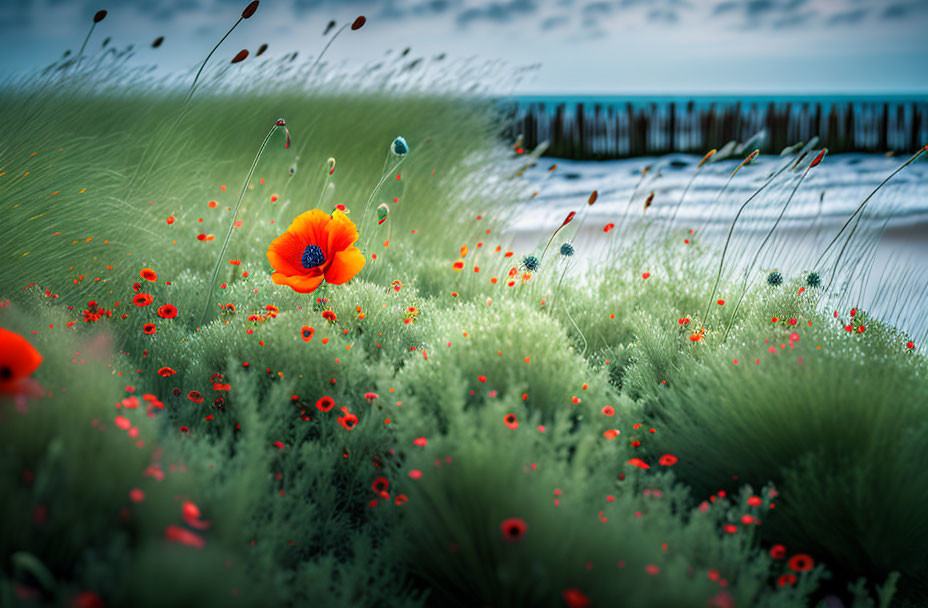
(497, 12)
(895, 11)
(795, 20)
(777, 14)
(657, 15)
(552, 23)
(598, 8)
(851, 17)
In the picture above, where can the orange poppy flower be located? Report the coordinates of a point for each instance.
(17, 362)
(314, 248)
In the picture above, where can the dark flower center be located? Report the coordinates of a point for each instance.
(5, 373)
(312, 257)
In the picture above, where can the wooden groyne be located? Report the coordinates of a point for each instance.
(602, 131)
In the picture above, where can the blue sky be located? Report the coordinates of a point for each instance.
(582, 46)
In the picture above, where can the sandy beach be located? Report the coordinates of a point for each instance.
(885, 263)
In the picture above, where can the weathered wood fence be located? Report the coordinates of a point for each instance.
(601, 131)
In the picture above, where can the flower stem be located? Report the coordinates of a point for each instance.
(238, 205)
(857, 212)
(326, 47)
(81, 52)
(763, 244)
(731, 230)
(205, 61)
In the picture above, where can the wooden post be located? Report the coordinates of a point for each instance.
(884, 128)
(916, 127)
(581, 139)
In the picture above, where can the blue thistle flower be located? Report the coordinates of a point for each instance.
(399, 147)
(531, 263)
(567, 249)
(774, 279)
(813, 280)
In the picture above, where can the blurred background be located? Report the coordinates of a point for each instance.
(601, 47)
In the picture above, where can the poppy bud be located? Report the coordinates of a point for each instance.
(359, 23)
(746, 161)
(250, 10)
(593, 196)
(706, 158)
(383, 212)
(157, 42)
(329, 27)
(819, 158)
(399, 146)
(569, 218)
(241, 56)
(261, 50)
(331, 163)
(100, 16)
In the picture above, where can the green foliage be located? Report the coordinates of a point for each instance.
(67, 470)
(835, 418)
(481, 393)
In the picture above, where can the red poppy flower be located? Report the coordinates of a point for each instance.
(307, 333)
(325, 404)
(370, 396)
(574, 598)
(195, 396)
(142, 299)
(328, 315)
(176, 534)
(18, 359)
(164, 372)
(380, 485)
(149, 275)
(88, 599)
(511, 421)
(168, 311)
(786, 580)
(348, 421)
(668, 460)
(801, 563)
(637, 462)
(314, 248)
(148, 328)
(512, 529)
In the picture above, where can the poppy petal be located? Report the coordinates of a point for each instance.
(345, 265)
(299, 283)
(285, 254)
(19, 358)
(342, 233)
(310, 228)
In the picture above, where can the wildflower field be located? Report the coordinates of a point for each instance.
(276, 344)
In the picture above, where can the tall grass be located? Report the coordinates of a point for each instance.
(637, 450)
